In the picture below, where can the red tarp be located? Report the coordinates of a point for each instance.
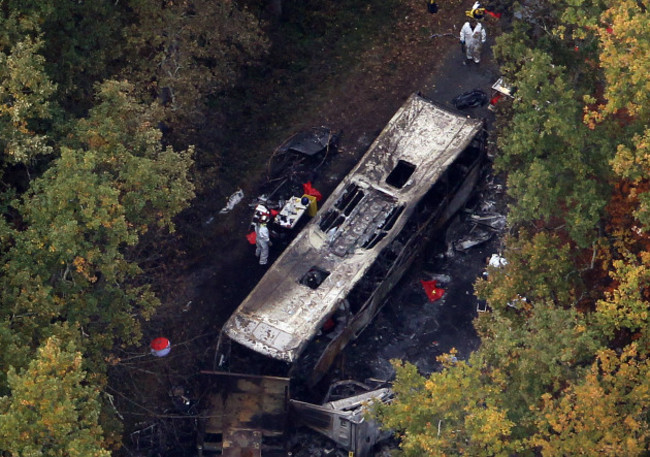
(433, 292)
(309, 190)
(252, 237)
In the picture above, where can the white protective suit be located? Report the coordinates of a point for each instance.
(262, 240)
(473, 40)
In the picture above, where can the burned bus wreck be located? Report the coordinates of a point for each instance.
(417, 173)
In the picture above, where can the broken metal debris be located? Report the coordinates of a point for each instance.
(442, 278)
(472, 240)
(311, 142)
(436, 35)
(298, 158)
(494, 221)
(479, 227)
(517, 302)
(233, 200)
(497, 261)
(502, 87)
(180, 397)
(242, 410)
(344, 421)
(245, 413)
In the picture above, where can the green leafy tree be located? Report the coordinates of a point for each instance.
(540, 268)
(185, 51)
(557, 170)
(488, 404)
(71, 262)
(25, 90)
(82, 44)
(626, 307)
(453, 412)
(52, 409)
(537, 351)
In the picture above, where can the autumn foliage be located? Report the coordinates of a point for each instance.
(86, 180)
(563, 365)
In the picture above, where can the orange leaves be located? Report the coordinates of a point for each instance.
(96, 141)
(83, 267)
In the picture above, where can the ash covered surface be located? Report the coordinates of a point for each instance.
(412, 328)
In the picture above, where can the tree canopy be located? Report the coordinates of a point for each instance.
(52, 409)
(89, 174)
(562, 365)
(87, 177)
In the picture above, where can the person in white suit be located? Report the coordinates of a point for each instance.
(262, 239)
(472, 37)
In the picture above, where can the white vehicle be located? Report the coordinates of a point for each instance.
(419, 171)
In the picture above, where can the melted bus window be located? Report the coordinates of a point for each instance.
(400, 174)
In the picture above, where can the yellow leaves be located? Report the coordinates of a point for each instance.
(51, 407)
(83, 268)
(599, 414)
(624, 59)
(631, 423)
(452, 412)
(112, 359)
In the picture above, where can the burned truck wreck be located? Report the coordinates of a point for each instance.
(336, 273)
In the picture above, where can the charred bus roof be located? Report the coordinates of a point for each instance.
(309, 281)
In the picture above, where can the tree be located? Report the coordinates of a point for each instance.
(540, 267)
(453, 412)
(624, 102)
(25, 90)
(624, 58)
(626, 306)
(606, 414)
(184, 51)
(81, 45)
(537, 352)
(557, 172)
(70, 260)
(52, 409)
